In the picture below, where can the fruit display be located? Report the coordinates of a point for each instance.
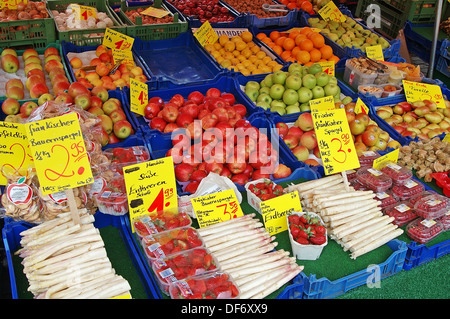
(421, 119)
(403, 212)
(240, 53)
(306, 229)
(255, 8)
(288, 92)
(305, 46)
(112, 199)
(432, 206)
(66, 20)
(25, 11)
(97, 68)
(216, 285)
(348, 34)
(149, 224)
(204, 10)
(423, 230)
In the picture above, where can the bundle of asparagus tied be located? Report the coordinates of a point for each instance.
(67, 260)
(246, 251)
(352, 218)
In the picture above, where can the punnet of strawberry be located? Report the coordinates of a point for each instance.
(432, 206)
(423, 230)
(266, 189)
(112, 199)
(399, 174)
(374, 179)
(216, 285)
(307, 229)
(157, 222)
(170, 242)
(127, 155)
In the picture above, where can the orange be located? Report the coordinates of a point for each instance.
(274, 35)
(311, 161)
(306, 6)
(323, 60)
(305, 30)
(280, 41)
(303, 57)
(295, 50)
(266, 40)
(299, 38)
(271, 44)
(288, 44)
(247, 36)
(306, 45)
(318, 40)
(277, 49)
(309, 63)
(326, 51)
(334, 58)
(291, 6)
(261, 36)
(294, 34)
(285, 55)
(315, 55)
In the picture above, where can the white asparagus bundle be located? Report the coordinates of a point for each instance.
(249, 282)
(240, 240)
(245, 247)
(232, 230)
(374, 229)
(273, 255)
(336, 203)
(355, 227)
(377, 243)
(247, 254)
(316, 183)
(320, 199)
(245, 219)
(367, 230)
(338, 222)
(345, 214)
(370, 237)
(242, 236)
(348, 207)
(257, 267)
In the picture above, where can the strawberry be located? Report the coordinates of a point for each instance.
(293, 219)
(304, 219)
(318, 240)
(320, 230)
(295, 230)
(302, 241)
(303, 233)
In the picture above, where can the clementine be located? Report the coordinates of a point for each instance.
(326, 51)
(303, 57)
(288, 44)
(315, 55)
(318, 40)
(280, 41)
(306, 45)
(274, 35)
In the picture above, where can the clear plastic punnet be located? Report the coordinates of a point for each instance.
(399, 174)
(112, 199)
(432, 207)
(367, 158)
(408, 190)
(423, 230)
(374, 179)
(386, 199)
(403, 213)
(157, 222)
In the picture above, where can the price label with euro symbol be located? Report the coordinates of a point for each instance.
(330, 12)
(116, 40)
(417, 91)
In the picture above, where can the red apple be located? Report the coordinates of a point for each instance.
(157, 123)
(282, 128)
(170, 113)
(183, 172)
(198, 175)
(122, 129)
(282, 171)
(10, 106)
(240, 109)
(77, 88)
(309, 140)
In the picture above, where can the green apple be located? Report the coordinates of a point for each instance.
(347, 100)
(332, 79)
(279, 109)
(252, 94)
(305, 70)
(263, 104)
(304, 95)
(293, 82)
(295, 67)
(322, 79)
(309, 81)
(331, 89)
(279, 77)
(276, 91)
(268, 80)
(295, 108)
(305, 107)
(318, 92)
(277, 103)
(290, 96)
(315, 68)
(252, 84)
(265, 89)
(264, 98)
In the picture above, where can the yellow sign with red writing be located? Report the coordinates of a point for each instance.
(328, 67)
(418, 91)
(83, 12)
(151, 187)
(216, 207)
(322, 104)
(330, 12)
(335, 142)
(123, 56)
(14, 150)
(59, 153)
(206, 34)
(138, 96)
(116, 40)
(361, 107)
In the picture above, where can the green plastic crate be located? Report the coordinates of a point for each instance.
(37, 33)
(85, 37)
(150, 32)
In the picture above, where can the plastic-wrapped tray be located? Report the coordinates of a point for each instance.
(407, 190)
(386, 93)
(421, 195)
(158, 222)
(386, 199)
(216, 285)
(445, 221)
(125, 156)
(423, 230)
(400, 175)
(403, 212)
(190, 263)
(367, 158)
(432, 207)
(112, 199)
(374, 179)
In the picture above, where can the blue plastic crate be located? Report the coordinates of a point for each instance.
(419, 254)
(393, 50)
(293, 291)
(442, 65)
(417, 43)
(177, 61)
(323, 288)
(224, 83)
(11, 240)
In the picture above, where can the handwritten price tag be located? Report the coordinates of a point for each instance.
(361, 107)
(375, 52)
(59, 153)
(389, 157)
(328, 67)
(322, 104)
(151, 187)
(206, 34)
(116, 40)
(11, 4)
(334, 138)
(83, 12)
(330, 12)
(155, 12)
(216, 207)
(123, 56)
(275, 211)
(417, 91)
(138, 96)
(14, 149)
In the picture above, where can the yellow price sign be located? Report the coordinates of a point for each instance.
(335, 142)
(447, 136)
(391, 157)
(375, 52)
(330, 12)
(83, 12)
(417, 91)
(217, 207)
(59, 153)
(275, 211)
(138, 96)
(155, 12)
(123, 56)
(206, 34)
(116, 40)
(361, 107)
(11, 4)
(14, 149)
(322, 104)
(151, 187)
(328, 67)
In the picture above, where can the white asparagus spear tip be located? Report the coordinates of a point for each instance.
(243, 250)
(261, 240)
(317, 182)
(373, 245)
(340, 215)
(218, 229)
(255, 277)
(354, 228)
(356, 221)
(339, 222)
(241, 239)
(267, 275)
(379, 229)
(277, 254)
(321, 199)
(344, 201)
(231, 237)
(348, 207)
(261, 267)
(231, 221)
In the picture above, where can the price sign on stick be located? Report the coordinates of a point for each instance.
(275, 211)
(330, 12)
(60, 156)
(116, 40)
(375, 52)
(206, 34)
(361, 107)
(83, 12)
(151, 187)
(123, 56)
(335, 142)
(138, 96)
(14, 149)
(217, 207)
(391, 157)
(417, 91)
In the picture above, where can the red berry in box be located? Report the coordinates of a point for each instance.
(367, 158)
(433, 206)
(403, 213)
(386, 199)
(399, 174)
(374, 179)
(407, 190)
(423, 230)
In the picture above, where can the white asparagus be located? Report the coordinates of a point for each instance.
(244, 250)
(273, 254)
(109, 290)
(367, 237)
(227, 223)
(232, 242)
(267, 275)
(341, 202)
(61, 230)
(348, 207)
(340, 215)
(251, 243)
(261, 267)
(321, 199)
(339, 222)
(367, 230)
(233, 231)
(357, 220)
(344, 231)
(226, 238)
(377, 243)
(318, 182)
(263, 259)
(206, 231)
(248, 254)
